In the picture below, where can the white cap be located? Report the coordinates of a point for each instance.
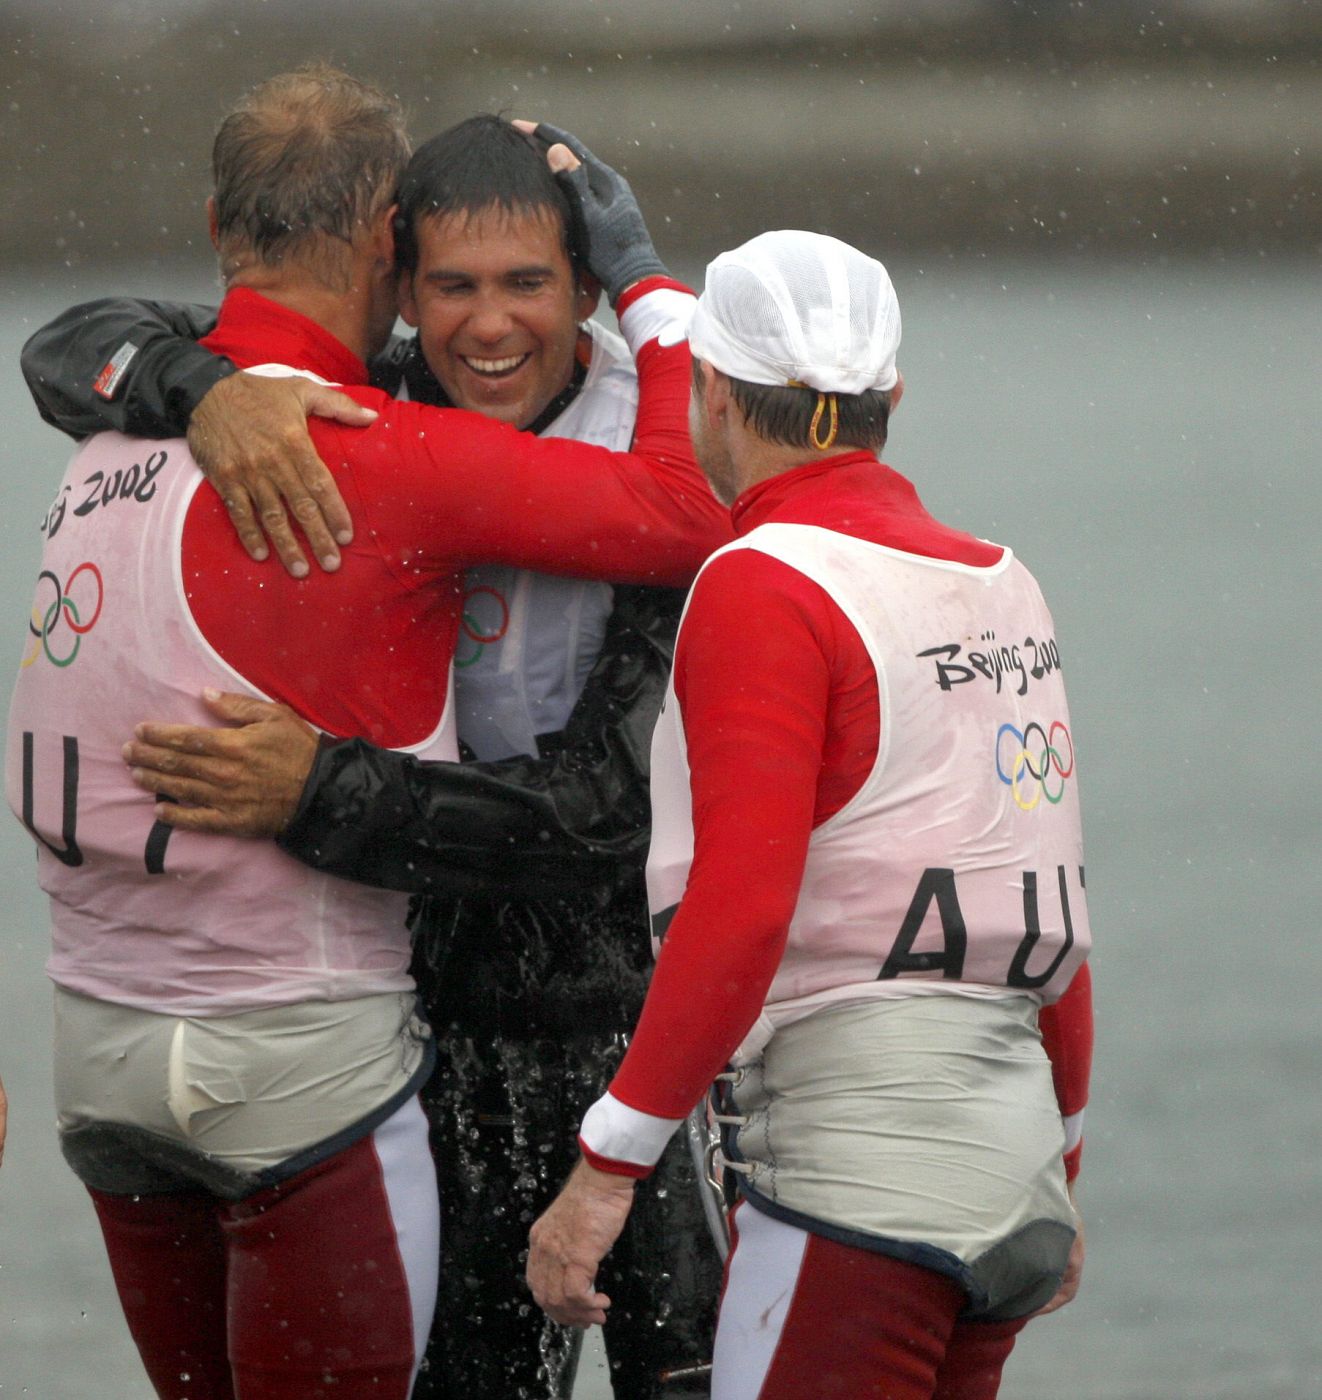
(803, 308)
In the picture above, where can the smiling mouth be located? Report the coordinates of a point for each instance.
(495, 369)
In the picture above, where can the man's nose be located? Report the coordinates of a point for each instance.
(490, 320)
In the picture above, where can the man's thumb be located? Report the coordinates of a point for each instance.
(324, 402)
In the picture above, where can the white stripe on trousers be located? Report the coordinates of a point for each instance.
(408, 1176)
(763, 1274)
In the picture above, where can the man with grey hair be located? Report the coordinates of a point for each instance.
(237, 1051)
(866, 882)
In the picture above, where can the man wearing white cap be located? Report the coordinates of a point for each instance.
(866, 880)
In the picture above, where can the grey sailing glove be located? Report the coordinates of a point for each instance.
(619, 248)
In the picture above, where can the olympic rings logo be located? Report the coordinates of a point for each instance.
(474, 630)
(1029, 764)
(44, 625)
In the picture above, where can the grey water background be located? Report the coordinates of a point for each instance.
(1146, 439)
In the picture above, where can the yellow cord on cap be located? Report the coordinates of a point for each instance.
(822, 401)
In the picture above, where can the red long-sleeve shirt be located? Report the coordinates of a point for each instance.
(433, 491)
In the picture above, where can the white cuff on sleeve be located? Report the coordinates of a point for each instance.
(614, 1130)
(1073, 1130)
(662, 315)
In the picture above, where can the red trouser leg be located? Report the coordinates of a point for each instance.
(974, 1360)
(305, 1285)
(167, 1257)
(821, 1319)
(320, 1307)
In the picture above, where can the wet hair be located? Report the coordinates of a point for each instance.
(785, 415)
(301, 163)
(481, 163)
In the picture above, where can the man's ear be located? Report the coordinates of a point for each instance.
(897, 393)
(213, 223)
(589, 296)
(383, 235)
(716, 398)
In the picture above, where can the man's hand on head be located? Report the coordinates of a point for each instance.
(244, 781)
(249, 435)
(619, 250)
